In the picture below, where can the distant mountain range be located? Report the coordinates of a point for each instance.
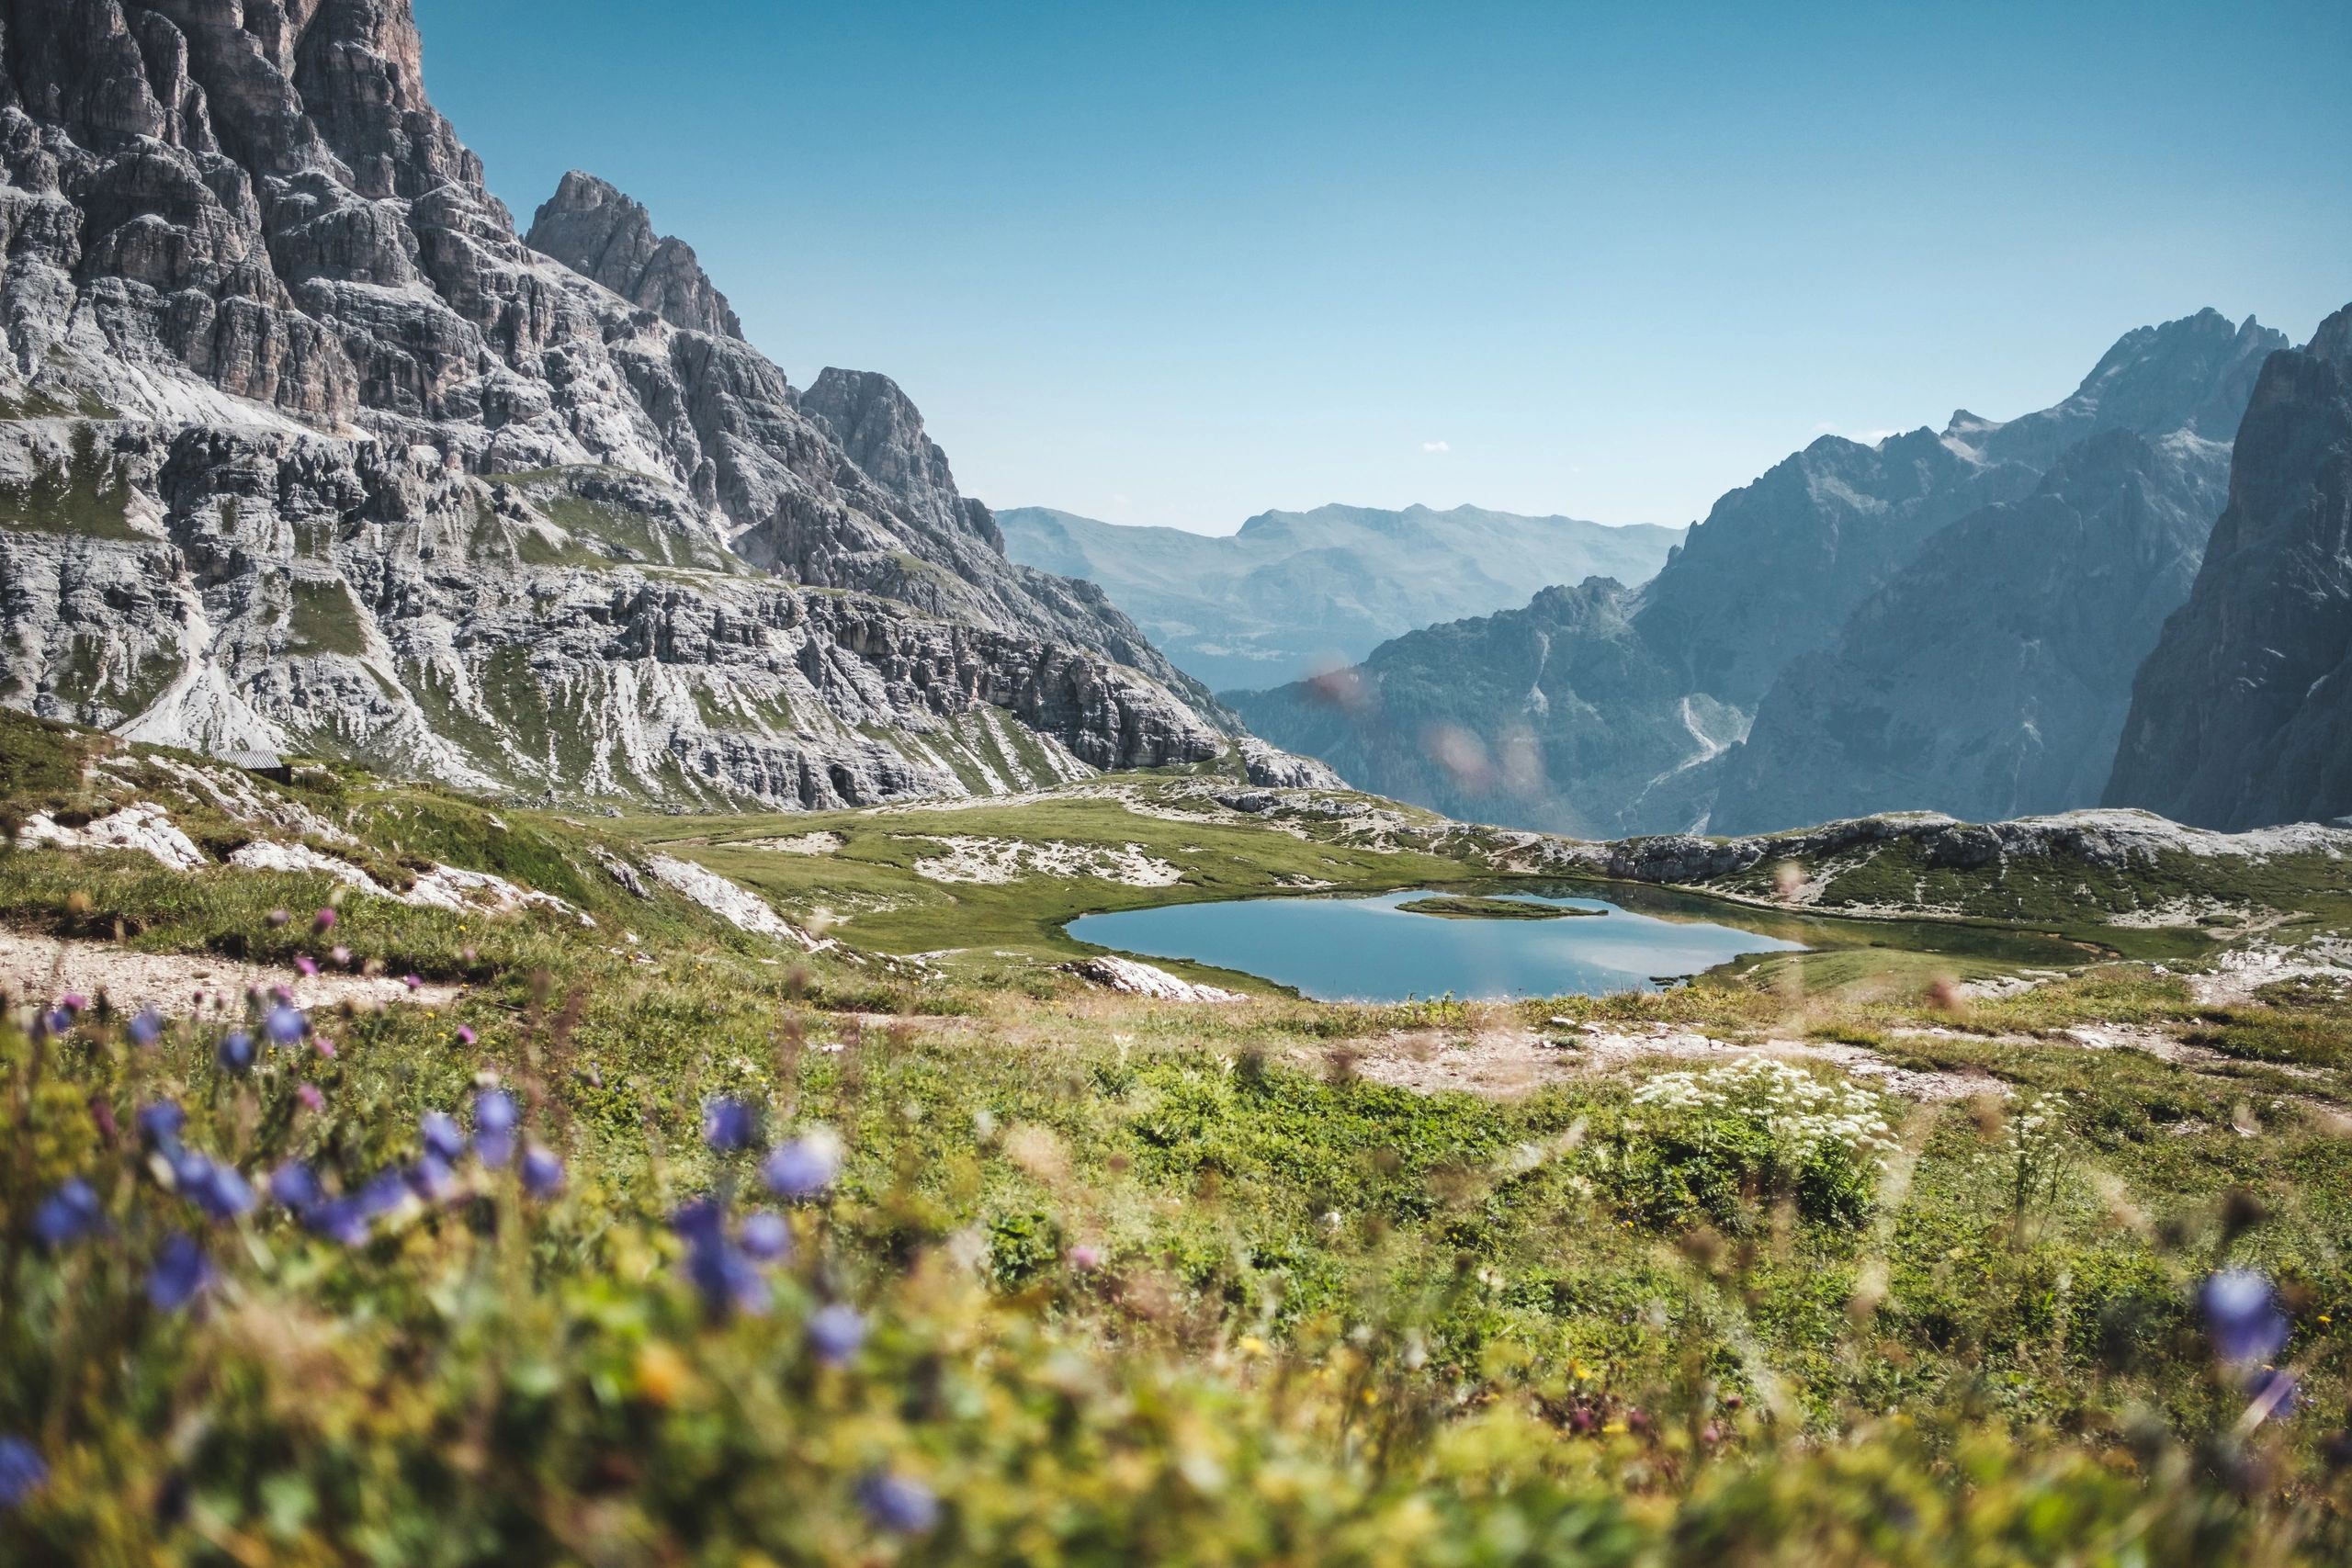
(1296, 592)
(1943, 620)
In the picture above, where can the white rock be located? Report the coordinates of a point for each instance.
(144, 827)
(737, 905)
(1135, 979)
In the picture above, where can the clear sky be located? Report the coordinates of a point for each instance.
(1181, 262)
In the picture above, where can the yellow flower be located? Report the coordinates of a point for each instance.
(1250, 1344)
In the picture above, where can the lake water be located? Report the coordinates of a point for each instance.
(1369, 950)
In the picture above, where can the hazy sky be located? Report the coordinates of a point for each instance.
(1181, 262)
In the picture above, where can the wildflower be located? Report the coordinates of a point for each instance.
(220, 1190)
(542, 1173)
(307, 967)
(835, 1333)
(414, 982)
(284, 1025)
(68, 1214)
(494, 1120)
(22, 1474)
(341, 957)
(146, 1029)
(323, 921)
(726, 1280)
(432, 1179)
(385, 1191)
(278, 918)
(804, 1167)
(342, 1221)
(2243, 1322)
(727, 1123)
(1085, 1259)
(296, 1186)
(766, 1238)
(899, 1504)
(442, 1137)
(73, 1002)
(160, 1123)
(465, 1036)
(236, 1051)
(182, 1273)
(310, 1097)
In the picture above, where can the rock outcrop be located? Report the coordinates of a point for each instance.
(2242, 716)
(306, 449)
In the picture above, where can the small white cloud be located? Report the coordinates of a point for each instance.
(1437, 445)
(1866, 438)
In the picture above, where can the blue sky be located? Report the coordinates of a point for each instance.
(1179, 264)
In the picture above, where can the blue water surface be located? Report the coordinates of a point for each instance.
(1368, 950)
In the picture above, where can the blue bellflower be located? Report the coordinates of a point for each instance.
(68, 1215)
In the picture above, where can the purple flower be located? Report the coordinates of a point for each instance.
(727, 1279)
(310, 1097)
(236, 1051)
(414, 982)
(323, 919)
(280, 917)
(306, 966)
(542, 1173)
(835, 1333)
(727, 1123)
(22, 1474)
(68, 1214)
(2242, 1318)
(386, 1191)
(182, 1273)
(804, 1167)
(702, 1222)
(341, 1221)
(220, 1190)
(465, 1036)
(285, 1025)
(146, 1029)
(495, 1119)
(899, 1504)
(441, 1135)
(431, 1179)
(160, 1123)
(1085, 1259)
(296, 1186)
(73, 1002)
(766, 1238)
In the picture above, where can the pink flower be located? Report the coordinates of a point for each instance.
(307, 965)
(324, 920)
(326, 1047)
(342, 956)
(465, 1036)
(310, 1096)
(414, 982)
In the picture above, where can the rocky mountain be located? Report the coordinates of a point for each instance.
(1610, 710)
(2242, 716)
(1296, 592)
(1990, 678)
(304, 448)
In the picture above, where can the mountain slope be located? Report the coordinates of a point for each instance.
(1645, 741)
(1294, 593)
(306, 449)
(2243, 714)
(1990, 678)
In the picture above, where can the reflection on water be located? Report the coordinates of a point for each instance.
(1369, 950)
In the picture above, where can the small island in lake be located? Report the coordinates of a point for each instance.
(1452, 907)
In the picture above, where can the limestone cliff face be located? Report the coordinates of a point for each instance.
(306, 447)
(2243, 715)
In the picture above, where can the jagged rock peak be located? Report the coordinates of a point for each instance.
(873, 420)
(600, 232)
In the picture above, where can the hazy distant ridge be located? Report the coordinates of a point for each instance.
(1295, 592)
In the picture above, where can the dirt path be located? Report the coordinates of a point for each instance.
(42, 968)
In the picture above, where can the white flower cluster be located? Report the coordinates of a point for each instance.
(1800, 1111)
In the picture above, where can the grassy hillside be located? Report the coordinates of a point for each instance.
(1102, 1280)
